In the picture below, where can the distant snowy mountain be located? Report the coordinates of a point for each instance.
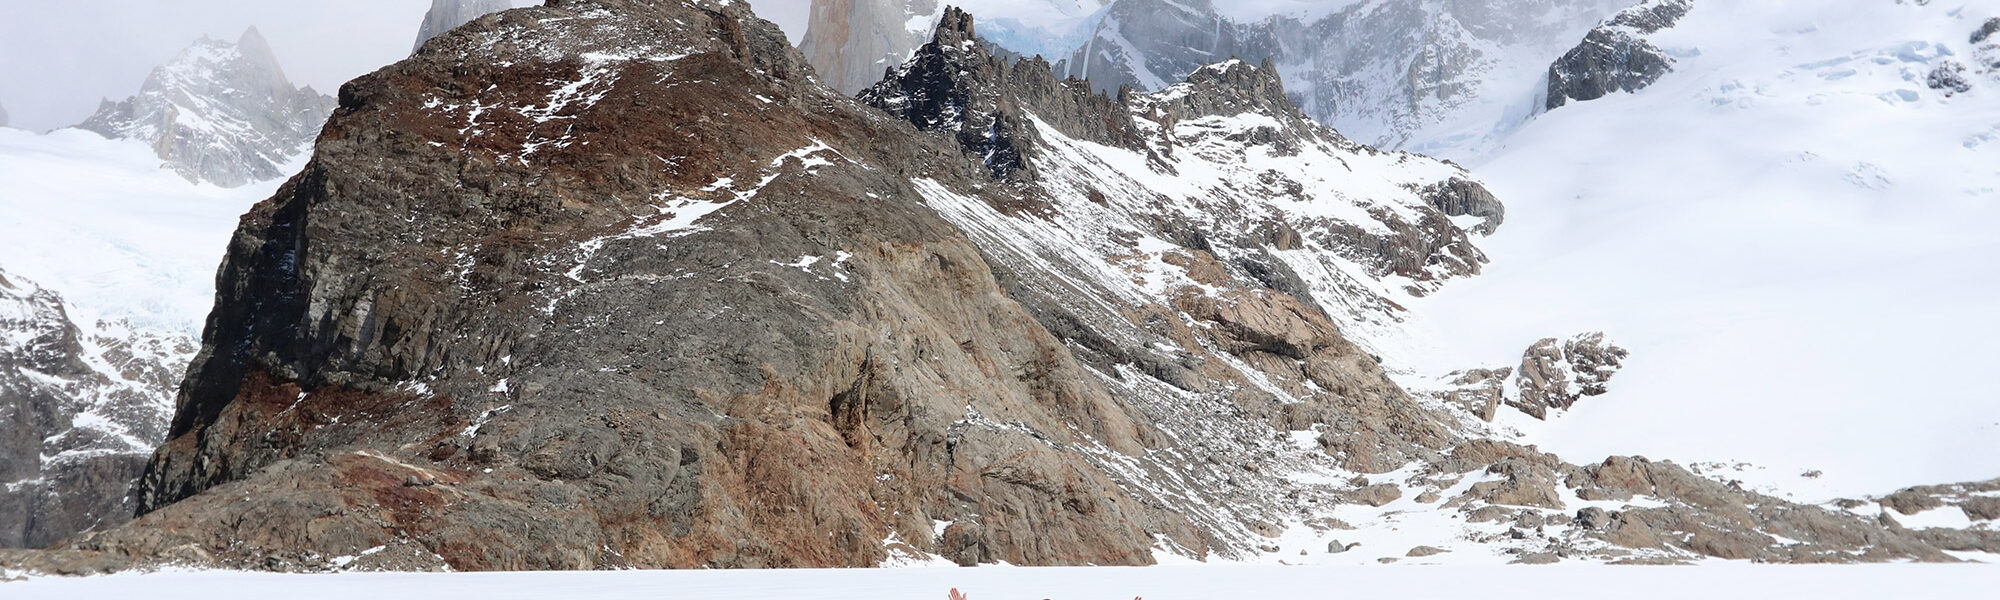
(1436, 76)
(221, 113)
(852, 42)
(1789, 229)
(3, 116)
(82, 405)
(446, 15)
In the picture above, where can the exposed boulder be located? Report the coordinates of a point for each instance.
(1616, 57)
(1949, 78)
(1467, 198)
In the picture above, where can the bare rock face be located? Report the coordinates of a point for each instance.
(446, 15)
(1466, 198)
(80, 411)
(1615, 57)
(1555, 374)
(221, 113)
(852, 42)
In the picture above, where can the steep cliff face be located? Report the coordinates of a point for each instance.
(221, 113)
(446, 15)
(1615, 57)
(81, 408)
(850, 43)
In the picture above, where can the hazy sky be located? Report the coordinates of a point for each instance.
(57, 59)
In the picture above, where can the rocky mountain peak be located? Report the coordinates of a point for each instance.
(954, 28)
(1234, 87)
(955, 83)
(220, 112)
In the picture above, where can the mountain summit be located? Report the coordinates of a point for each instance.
(221, 112)
(619, 283)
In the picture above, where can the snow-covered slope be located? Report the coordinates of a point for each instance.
(221, 112)
(1434, 76)
(1790, 232)
(100, 222)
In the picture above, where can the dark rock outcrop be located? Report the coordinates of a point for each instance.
(1555, 374)
(1986, 49)
(79, 414)
(1615, 57)
(1949, 78)
(1466, 198)
(221, 113)
(954, 84)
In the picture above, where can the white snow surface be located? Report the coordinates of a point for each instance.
(1791, 233)
(1097, 583)
(120, 238)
